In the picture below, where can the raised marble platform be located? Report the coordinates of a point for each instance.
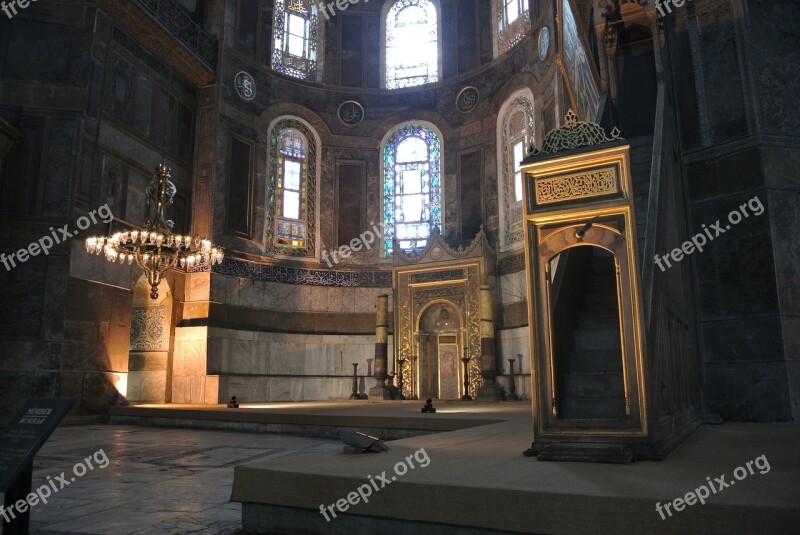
(478, 482)
(389, 420)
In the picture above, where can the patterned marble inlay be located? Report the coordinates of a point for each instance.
(577, 186)
(148, 332)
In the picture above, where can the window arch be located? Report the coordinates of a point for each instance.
(295, 37)
(513, 22)
(291, 190)
(515, 133)
(412, 199)
(412, 44)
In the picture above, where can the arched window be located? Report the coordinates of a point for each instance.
(513, 22)
(295, 38)
(412, 44)
(412, 202)
(516, 131)
(291, 191)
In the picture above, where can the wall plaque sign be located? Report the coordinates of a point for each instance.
(544, 43)
(351, 113)
(27, 431)
(245, 86)
(467, 99)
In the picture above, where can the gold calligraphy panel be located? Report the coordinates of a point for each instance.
(583, 185)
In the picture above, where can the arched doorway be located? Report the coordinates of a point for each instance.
(585, 334)
(438, 370)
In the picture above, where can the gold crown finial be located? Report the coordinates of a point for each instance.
(571, 119)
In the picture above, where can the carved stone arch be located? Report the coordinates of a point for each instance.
(510, 211)
(387, 6)
(310, 249)
(504, 38)
(437, 123)
(283, 109)
(317, 30)
(441, 170)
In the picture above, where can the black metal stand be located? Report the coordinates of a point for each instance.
(512, 383)
(401, 363)
(18, 492)
(466, 396)
(414, 378)
(355, 395)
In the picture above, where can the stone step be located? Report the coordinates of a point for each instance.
(591, 339)
(598, 315)
(609, 323)
(600, 301)
(590, 385)
(594, 408)
(595, 360)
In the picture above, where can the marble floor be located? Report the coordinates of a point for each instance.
(158, 481)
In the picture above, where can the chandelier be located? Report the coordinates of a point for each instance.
(155, 248)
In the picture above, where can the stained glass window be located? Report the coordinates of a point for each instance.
(513, 23)
(517, 132)
(412, 204)
(412, 44)
(291, 190)
(295, 32)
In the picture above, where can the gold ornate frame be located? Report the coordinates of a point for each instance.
(552, 222)
(419, 287)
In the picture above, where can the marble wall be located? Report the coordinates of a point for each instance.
(251, 293)
(740, 126)
(513, 344)
(191, 382)
(264, 366)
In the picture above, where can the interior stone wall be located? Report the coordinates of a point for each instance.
(51, 344)
(739, 128)
(150, 346)
(513, 344)
(191, 380)
(75, 84)
(268, 366)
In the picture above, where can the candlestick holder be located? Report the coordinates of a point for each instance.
(466, 396)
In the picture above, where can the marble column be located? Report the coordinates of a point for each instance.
(490, 388)
(381, 363)
(149, 356)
